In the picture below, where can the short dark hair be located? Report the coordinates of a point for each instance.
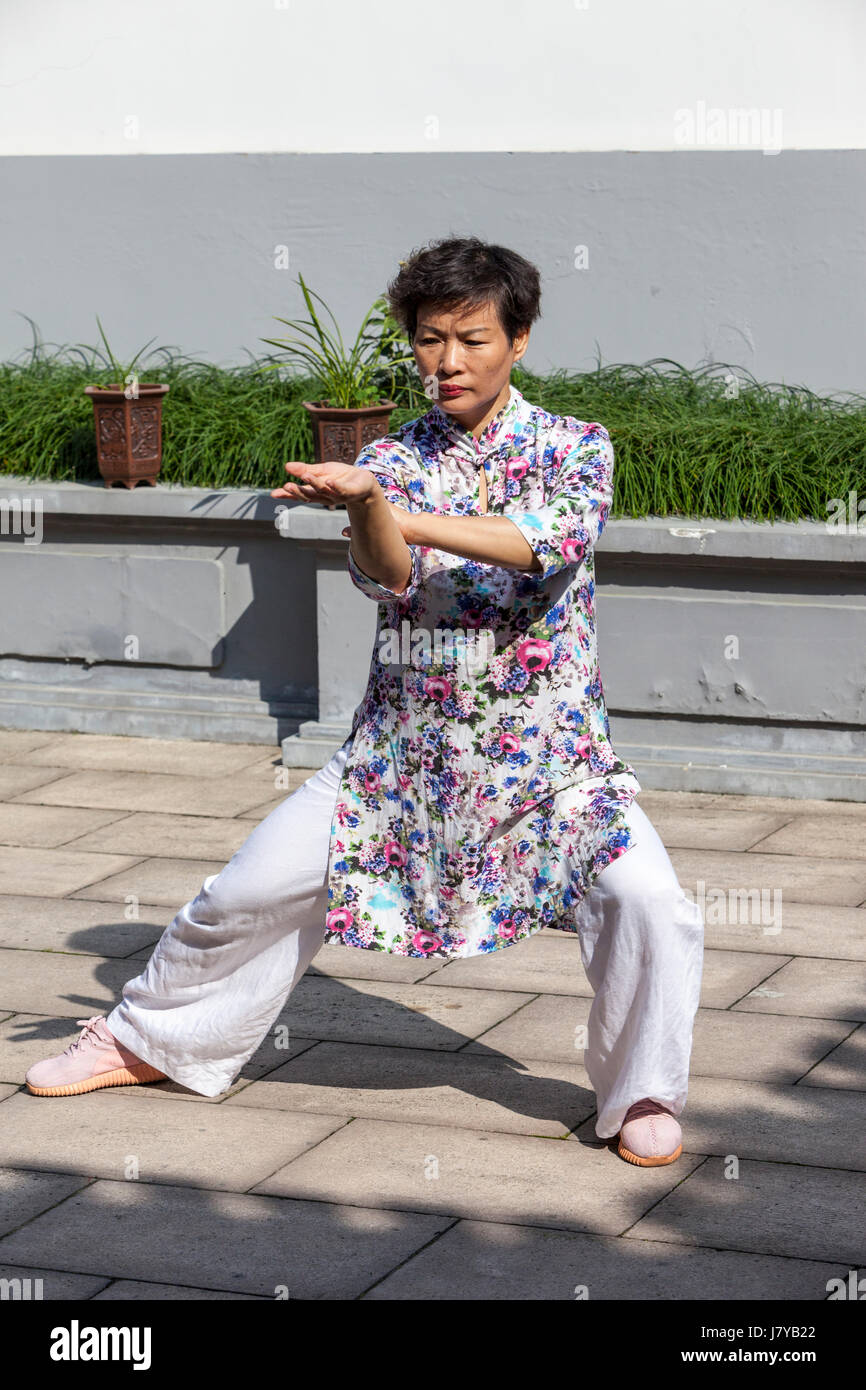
(456, 271)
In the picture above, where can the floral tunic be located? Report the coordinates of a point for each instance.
(479, 802)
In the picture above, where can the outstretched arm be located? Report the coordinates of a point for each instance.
(378, 544)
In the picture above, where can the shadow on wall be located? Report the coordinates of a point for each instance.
(273, 640)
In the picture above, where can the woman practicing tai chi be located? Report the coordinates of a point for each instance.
(475, 801)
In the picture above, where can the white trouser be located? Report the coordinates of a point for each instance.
(223, 969)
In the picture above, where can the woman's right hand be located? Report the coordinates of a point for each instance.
(328, 483)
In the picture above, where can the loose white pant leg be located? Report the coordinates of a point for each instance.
(642, 948)
(223, 969)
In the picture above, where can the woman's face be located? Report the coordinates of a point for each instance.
(469, 350)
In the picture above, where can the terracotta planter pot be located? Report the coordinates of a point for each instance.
(341, 434)
(128, 433)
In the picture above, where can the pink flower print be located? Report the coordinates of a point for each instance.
(426, 941)
(472, 617)
(506, 928)
(572, 550)
(339, 920)
(509, 743)
(517, 468)
(499, 671)
(437, 687)
(395, 854)
(372, 781)
(583, 746)
(404, 780)
(534, 654)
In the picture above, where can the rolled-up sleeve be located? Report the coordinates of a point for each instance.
(387, 469)
(564, 530)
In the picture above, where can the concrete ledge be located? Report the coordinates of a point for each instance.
(733, 653)
(705, 538)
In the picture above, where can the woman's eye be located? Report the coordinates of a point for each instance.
(470, 342)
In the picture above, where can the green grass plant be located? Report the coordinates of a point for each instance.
(707, 442)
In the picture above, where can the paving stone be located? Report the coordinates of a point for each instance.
(541, 964)
(805, 880)
(354, 963)
(25, 1194)
(544, 965)
(133, 1291)
(206, 1147)
(770, 1208)
(264, 1061)
(823, 1128)
(46, 826)
(47, 983)
(163, 882)
(48, 1285)
(223, 1240)
(482, 1260)
(844, 1067)
(768, 805)
(712, 827)
(258, 813)
(376, 1011)
(15, 742)
(55, 872)
(7, 1090)
(773, 1049)
(807, 929)
(755, 1047)
(70, 924)
(819, 837)
(429, 1088)
(16, 779)
(115, 753)
(187, 837)
(546, 1029)
(149, 791)
(728, 975)
(813, 989)
(497, 1177)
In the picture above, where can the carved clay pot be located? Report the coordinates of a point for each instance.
(341, 434)
(128, 433)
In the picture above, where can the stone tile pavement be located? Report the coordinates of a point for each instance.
(419, 1130)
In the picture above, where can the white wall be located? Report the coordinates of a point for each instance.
(199, 76)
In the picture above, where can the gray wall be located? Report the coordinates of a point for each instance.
(694, 255)
(252, 634)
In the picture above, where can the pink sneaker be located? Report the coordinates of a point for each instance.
(95, 1059)
(650, 1135)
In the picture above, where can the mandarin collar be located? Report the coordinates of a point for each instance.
(504, 421)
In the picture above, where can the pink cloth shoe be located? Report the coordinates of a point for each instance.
(95, 1059)
(650, 1135)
